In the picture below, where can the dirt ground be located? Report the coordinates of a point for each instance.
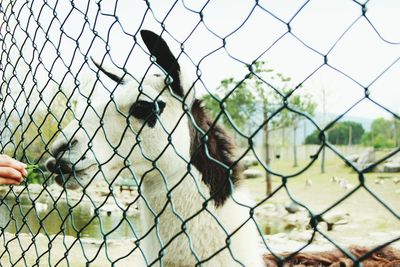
(338, 185)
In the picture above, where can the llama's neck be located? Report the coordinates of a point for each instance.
(164, 215)
(180, 187)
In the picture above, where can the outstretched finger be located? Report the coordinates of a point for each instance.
(8, 181)
(6, 161)
(11, 173)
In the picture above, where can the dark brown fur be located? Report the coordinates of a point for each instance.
(386, 257)
(220, 148)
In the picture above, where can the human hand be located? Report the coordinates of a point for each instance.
(11, 171)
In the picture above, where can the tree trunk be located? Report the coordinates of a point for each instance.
(323, 153)
(350, 136)
(267, 157)
(323, 160)
(295, 163)
(324, 120)
(396, 128)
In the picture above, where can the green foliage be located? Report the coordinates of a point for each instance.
(381, 142)
(242, 99)
(313, 138)
(35, 174)
(383, 134)
(239, 105)
(339, 134)
(32, 167)
(301, 103)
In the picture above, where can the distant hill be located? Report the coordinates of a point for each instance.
(306, 127)
(365, 122)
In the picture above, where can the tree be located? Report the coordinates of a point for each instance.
(238, 102)
(324, 103)
(346, 133)
(288, 118)
(382, 134)
(342, 133)
(396, 131)
(313, 138)
(242, 99)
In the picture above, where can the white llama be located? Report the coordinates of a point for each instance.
(193, 209)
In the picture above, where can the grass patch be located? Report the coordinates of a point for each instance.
(322, 192)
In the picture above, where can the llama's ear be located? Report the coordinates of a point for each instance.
(110, 75)
(164, 57)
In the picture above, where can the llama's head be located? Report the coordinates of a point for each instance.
(143, 129)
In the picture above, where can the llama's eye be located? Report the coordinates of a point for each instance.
(147, 111)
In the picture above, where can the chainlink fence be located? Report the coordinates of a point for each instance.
(48, 81)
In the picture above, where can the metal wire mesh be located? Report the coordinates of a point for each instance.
(49, 81)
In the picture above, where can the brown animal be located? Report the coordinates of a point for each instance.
(385, 257)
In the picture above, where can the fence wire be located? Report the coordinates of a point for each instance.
(49, 82)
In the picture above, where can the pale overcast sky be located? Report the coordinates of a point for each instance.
(251, 32)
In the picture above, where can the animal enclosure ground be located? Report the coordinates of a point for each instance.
(319, 191)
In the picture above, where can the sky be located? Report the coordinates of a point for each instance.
(218, 39)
